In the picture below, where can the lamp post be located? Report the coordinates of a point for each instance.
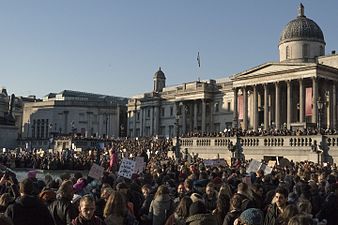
(320, 105)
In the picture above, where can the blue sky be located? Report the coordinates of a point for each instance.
(114, 47)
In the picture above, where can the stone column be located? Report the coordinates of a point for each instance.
(151, 121)
(288, 106)
(314, 100)
(334, 105)
(266, 107)
(195, 115)
(255, 108)
(301, 101)
(184, 118)
(203, 114)
(235, 116)
(211, 116)
(141, 121)
(245, 108)
(277, 104)
(134, 123)
(328, 105)
(156, 120)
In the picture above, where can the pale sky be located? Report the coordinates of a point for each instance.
(114, 47)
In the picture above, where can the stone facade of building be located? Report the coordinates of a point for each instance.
(297, 92)
(73, 112)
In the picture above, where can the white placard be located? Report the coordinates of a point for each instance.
(253, 166)
(126, 168)
(96, 171)
(139, 164)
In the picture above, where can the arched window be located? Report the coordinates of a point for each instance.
(305, 50)
(287, 52)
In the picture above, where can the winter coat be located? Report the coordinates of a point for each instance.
(121, 220)
(329, 209)
(201, 219)
(160, 209)
(231, 216)
(272, 216)
(28, 210)
(62, 211)
(174, 219)
(81, 221)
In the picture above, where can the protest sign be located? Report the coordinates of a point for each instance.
(253, 166)
(139, 164)
(96, 172)
(126, 168)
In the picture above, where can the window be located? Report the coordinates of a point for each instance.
(138, 115)
(287, 52)
(162, 111)
(171, 131)
(229, 106)
(162, 130)
(305, 50)
(216, 107)
(148, 113)
(171, 111)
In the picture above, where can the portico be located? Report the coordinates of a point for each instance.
(285, 97)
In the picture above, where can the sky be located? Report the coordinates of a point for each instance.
(114, 47)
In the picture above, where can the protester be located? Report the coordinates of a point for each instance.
(62, 210)
(86, 212)
(27, 209)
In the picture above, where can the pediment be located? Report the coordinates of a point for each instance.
(270, 68)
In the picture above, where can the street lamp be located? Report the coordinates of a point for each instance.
(320, 105)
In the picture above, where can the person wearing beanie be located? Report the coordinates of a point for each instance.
(251, 216)
(198, 215)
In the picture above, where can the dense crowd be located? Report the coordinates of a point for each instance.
(171, 192)
(231, 132)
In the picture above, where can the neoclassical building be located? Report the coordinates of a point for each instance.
(298, 91)
(67, 112)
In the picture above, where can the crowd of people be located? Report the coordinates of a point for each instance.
(171, 192)
(231, 132)
(70, 159)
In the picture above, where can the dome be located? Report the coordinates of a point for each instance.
(159, 74)
(301, 28)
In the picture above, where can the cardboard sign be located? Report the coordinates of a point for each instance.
(96, 172)
(271, 163)
(126, 168)
(253, 166)
(139, 164)
(214, 162)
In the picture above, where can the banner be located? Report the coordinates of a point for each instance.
(240, 107)
(308, 101)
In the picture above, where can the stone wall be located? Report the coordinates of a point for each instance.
(8, 136)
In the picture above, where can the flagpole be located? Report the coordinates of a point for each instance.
(199, 65)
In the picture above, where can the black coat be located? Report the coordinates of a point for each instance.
(28, 210)
(63, 211)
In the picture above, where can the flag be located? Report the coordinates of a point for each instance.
(198, 59)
